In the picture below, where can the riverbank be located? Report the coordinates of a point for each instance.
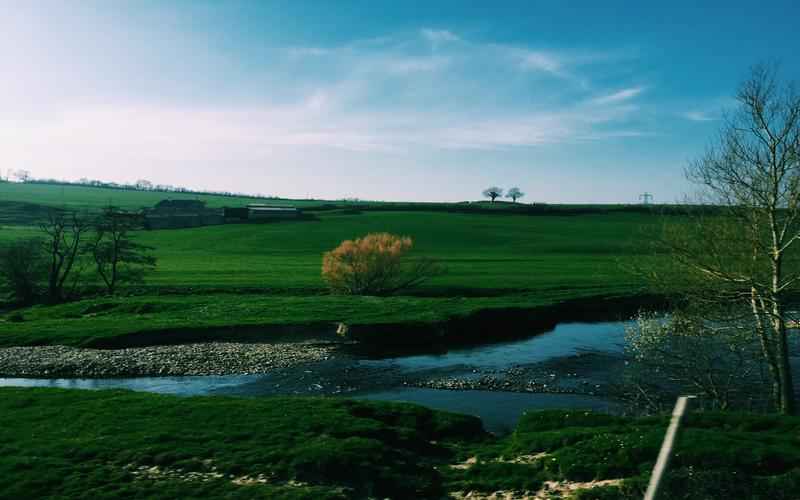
(110, 444)
(379, 324)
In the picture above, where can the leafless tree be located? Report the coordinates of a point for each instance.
(493, 192)
(685, 354)
(64, 232)
(117, 257)
(23, 268)
(22, 175)
(514, 193)
(741, 245)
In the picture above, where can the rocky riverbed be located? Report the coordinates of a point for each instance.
(591, 374)
(312, 368)
(172, 360)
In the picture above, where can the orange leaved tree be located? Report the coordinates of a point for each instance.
(375, 265)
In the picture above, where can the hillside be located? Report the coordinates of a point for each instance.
(269, 274)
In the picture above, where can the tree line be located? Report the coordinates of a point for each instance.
(74, 250)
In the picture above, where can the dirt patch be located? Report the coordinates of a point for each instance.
(550, 490)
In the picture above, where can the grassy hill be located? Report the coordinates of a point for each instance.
(269, 274)
(89, 197)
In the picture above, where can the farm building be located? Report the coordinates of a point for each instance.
(256, 213)
(261, 212)
(171, 206)
(175, 214)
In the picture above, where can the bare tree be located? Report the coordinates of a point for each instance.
(684, 354)
(514, 193)
(23, 268)
(64, 236)
(22, 175)
(742, 247)
(493, 192)
(117, 257)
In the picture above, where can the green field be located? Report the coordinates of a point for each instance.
(118, 444)
(269, 274)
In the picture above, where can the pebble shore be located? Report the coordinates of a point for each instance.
(170, 360)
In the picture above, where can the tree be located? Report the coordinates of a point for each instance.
(514, 193)
(493, 192)
(23, 268)
(741, 247)
(64, 233)
(119, 259)
(144, 184)
(683, 354)
(22, 175)
(375, 265)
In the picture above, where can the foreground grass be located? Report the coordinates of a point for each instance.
(112, 444)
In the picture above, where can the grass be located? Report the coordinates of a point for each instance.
(56, 443)
(717, 455)
(93, 198)
(248, 275)
(63, 443)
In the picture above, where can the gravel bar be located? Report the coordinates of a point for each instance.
(171, 360)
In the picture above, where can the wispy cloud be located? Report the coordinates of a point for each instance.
(439, 36)
(540, 61)
(619, 96)
(307, 51)
(391, 96)
(408, 65)
(698, 116)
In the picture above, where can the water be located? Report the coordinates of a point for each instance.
(566, 339)
(499, 410)
(180, 386)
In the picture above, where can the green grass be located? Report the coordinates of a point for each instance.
(68, 443)
(269, 274)
(92, 198)
(716, 456)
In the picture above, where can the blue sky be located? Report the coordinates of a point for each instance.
(392, 100)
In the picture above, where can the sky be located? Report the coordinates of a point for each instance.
(572, 102)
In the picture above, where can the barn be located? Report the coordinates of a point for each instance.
(267, 212)
(175, 214)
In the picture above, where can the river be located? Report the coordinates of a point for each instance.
(566, 367)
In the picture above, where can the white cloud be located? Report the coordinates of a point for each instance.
(619, 96)
(408, 65)
(439, 36)
(391, 96)
(540, 61)
(300, 52)
(698, 116)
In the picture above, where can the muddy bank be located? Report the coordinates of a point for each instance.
(494, 325)
(185, 359)
(391, 339)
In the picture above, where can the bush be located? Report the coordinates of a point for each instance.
(23, 268)
(375, 265)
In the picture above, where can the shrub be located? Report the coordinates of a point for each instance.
(23, 268)
(375, 265)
